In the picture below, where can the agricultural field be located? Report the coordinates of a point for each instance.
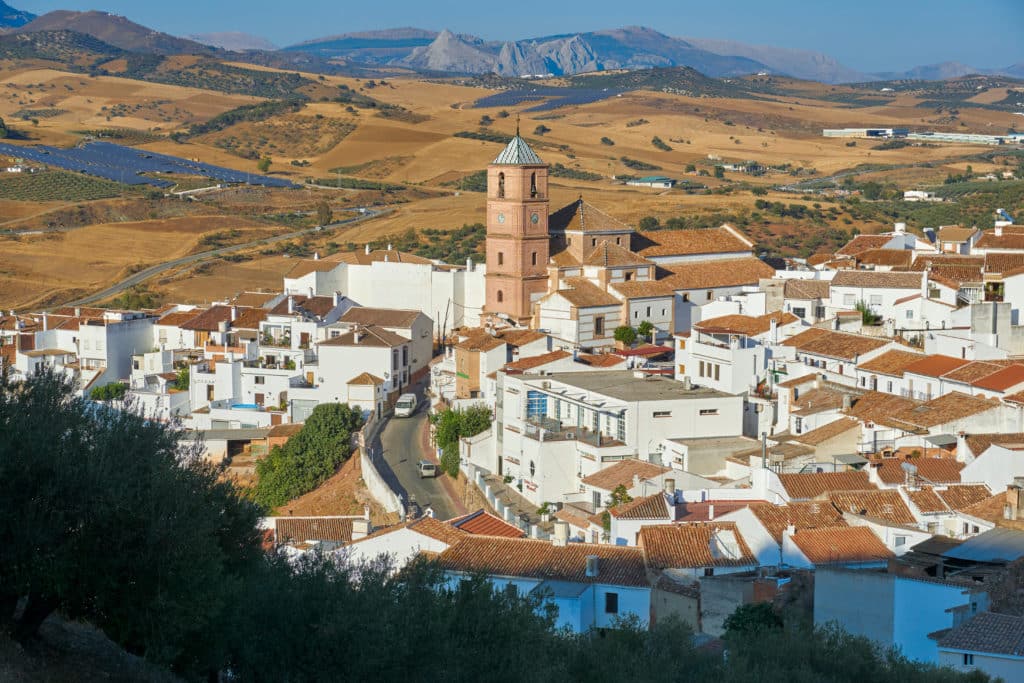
(417, 147)
(57, 186)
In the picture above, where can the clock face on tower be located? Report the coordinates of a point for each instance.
(535, 218)
(501, 218)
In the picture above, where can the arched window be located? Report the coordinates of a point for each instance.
(534, 258)
(501, 296)
(533, 184)
(501, 259)
(501, 186)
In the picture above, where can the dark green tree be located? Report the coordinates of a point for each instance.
(310, 457)
(625, 334)
(324, 214)
(453, 425)
(646, 329)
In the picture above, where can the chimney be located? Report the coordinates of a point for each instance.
(687, 384)
(366, 512)
(78, 312)
(360, 528)
(592, 566)
(999, 229)
(357, 334)
(337, 298)
(561, 535)
(773, 331)
(291, 304)
(367, 249)
(1012, 508)
(901, 228)
(46, 322)
(670, 488)
(962, 452)
(636, 480)
(309, 292)
(316, 255)
(790, 529)
(234, 313)
(389, 246)
(764, 450)
(847, 402)
(711, 511)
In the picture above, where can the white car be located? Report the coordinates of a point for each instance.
(406, 405)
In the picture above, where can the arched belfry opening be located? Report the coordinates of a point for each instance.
(501, 186)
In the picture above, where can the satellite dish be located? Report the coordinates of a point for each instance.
(909, 468)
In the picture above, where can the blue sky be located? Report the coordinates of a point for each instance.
(870, 35)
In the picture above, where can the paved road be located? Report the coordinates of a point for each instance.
(402, 445)
(144, 275)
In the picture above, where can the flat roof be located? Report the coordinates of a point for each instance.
(246, 434)
(624, 386)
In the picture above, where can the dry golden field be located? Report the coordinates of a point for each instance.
(421, 152)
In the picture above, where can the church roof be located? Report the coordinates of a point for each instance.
(583, 217)
(518, 153)
(608, 254)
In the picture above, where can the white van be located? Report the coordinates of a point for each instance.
(406, 405)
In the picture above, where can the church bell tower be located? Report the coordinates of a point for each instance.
(517, 230)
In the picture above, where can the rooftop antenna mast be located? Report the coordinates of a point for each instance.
(517, 124)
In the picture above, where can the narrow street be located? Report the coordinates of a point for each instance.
(402, 444)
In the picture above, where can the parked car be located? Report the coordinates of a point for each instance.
(427, 469)
(406, 405)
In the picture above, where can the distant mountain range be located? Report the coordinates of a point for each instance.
(448, 52)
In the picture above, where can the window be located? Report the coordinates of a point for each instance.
(596, 499)
(501, 186)
(533, 468)
(798, 424)
(900, 540)
(875, 300)
(708, 411)
(800, 312)
(717, 368)
(501, 258)
(611, 603)
(648, 311)
(618, 240)
(511, 590)
(593, 241)
(636, 315)
(394, 359)
(849, 299)
(620, 429)
(889, 387)
(599, 326)
(629, 276)
(533, 258)
(664, 312)
(662, 413)
(405, 355)
(701, 373)
(501, 296)
(709, 571)
(533, 184)
(686, 298)
(335, 334)
(968, 659)
(711, 294)
(910, 314)
(260, 379)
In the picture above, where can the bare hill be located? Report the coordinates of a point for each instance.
(13, 18)
(805, 64)
(117, 31)
(234, 41)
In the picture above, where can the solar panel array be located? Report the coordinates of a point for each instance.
(559, 97)
(126, 164)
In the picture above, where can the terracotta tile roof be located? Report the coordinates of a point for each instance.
(988, 632)
(875, 406)
(366, 378)
(609, 254)
(862, 243)
(972, 372)
(721, 240)
(483, 523)
(533, 362)
(438, 530)
(884, 504)
(643, 289)
(622, 473)
(318, 306)
(708, 510)
(361, 258)
(955, 233)
(253, 299)
(298, 530)
(806, 289)
(817, 400)
(578, 521)
(811, 485)
(477, 339)
(946, 408)
(1008, 240)
(82, 311)
(1004, 263)
(520, 337)
(932, 470)
(383, 317)
(371, 335)
(208, 320)
(650, 507)
(248, 318)
(819, 259)
(935, 365)
(891, 362)
(564, 259)
(306, 266)
(583, 217)
(1004, 379)
(583, 293)
(827, 431)
(926, 500)
(839, 545)
(679, 546)
(714, 273)
(601, 360)
(956, 275)
(802, 515)
(178, 319)
(842, 345)
(900, 258)
(963, 496)
(926, 261)
(877, 279)
(528, 558)
(990, 509)
(979, 443)
(746, 324)
(1017, 397)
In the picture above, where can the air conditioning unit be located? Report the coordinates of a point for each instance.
(545, 385)
(570, 436)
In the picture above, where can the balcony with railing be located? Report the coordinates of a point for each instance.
(549, 429)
